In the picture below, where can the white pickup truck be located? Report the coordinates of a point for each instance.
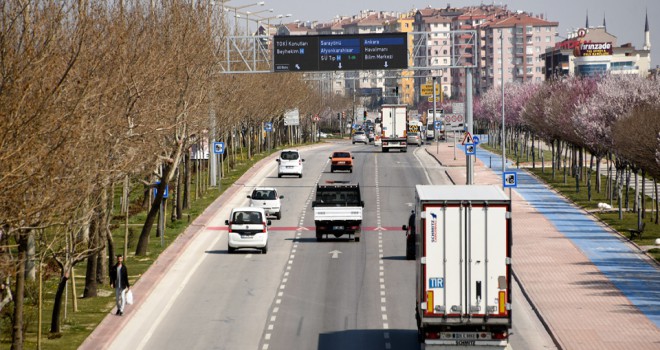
(338, 211)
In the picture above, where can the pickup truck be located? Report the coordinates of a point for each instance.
(338, 211)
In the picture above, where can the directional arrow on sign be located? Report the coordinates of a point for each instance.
(339, 65)
(335, 254)
(297, 66)
(385, 64)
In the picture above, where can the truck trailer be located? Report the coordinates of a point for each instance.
(463, 266)
(393, 127)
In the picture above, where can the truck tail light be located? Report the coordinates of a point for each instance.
(432, 335)
(354, 227)
(429, 301)
(500, 335)
(502, 302)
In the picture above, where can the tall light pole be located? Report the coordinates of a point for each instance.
(502, 83)
(236, 8)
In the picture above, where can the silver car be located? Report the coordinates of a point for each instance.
(413, 138)
(360, 136)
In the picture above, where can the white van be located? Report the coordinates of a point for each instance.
(291, 163)
(248, 228)
(268, 199)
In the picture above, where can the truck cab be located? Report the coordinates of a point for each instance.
(338, 211)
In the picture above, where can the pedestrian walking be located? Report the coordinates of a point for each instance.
(119, 281)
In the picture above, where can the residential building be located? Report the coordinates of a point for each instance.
(514, 43)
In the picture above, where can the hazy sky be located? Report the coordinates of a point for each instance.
(625, 18)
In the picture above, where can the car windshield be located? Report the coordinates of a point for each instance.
(289, 155)
(349, 197)
(359, 133)
(247, 217)
(263, 194)
(341, 155)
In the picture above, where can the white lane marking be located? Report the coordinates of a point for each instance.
(428, 178)
(273, 318)
(248, 256)
(270, 327)
(276, 309)
(383, 300)
(278, 301)
(267, 337)
(282, 286)
(285, 280)
(265, 347)
(169, 304)
(386, 335)
(280, 294)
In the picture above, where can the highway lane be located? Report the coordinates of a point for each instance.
(298, 296)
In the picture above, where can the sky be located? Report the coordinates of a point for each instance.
(624, 18)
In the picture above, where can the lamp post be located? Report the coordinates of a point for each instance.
(502, 83)
(236, 8)
(267, 19)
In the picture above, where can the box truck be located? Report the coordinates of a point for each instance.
(393, 127)
(463, 266)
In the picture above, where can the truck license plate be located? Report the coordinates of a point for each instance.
(337, 228)
(459, 335)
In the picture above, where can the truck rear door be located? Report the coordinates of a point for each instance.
(466, 260)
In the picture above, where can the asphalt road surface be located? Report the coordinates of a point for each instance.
(304, 294)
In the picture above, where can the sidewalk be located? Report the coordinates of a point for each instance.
(591, 287)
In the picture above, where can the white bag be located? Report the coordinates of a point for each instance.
(129, 297)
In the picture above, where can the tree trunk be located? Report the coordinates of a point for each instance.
(179, 193)
(19, 294)
(92, 260)
(143, 241)
(55, 320)
(643, 197)
(186, 186)
(30, 270)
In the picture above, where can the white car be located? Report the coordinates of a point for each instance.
(248, 228)
(267, 199)
(291, 163)
(360, 136)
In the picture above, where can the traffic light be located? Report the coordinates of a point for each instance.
(364, 117)
(338, 116)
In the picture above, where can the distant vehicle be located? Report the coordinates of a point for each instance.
(393, 126)
(323, 135)
(291, 163)
(248, 228)
(371, 135)
(413, 138)
(341, 160)
(338, 211)
(267, 199)
(360, 136)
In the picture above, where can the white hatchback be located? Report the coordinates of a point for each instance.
(268, 199)
(248, 228)
(291, 163)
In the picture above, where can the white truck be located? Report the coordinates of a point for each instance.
(463, 266)
(338, 211)
(393, 127)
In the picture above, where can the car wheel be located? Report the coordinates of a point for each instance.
(300, 175)
(278, 215)
(319, 237)
(357, 239)
(264, 250)
(350, 170)
(231, 250)
(353, 142)
(279, 175)
(332, 170)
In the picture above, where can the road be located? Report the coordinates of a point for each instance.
(304, 294)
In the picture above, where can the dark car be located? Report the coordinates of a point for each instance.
(410, 237)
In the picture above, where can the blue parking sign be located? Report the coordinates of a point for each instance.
(268, 126)
(218, 147)
(510, 179)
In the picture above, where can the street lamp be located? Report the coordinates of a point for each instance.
(267, 19)
(236, 8)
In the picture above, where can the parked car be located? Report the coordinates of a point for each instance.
(360, 136)
(267, 199)
(291, 163)
(248, 228)
(413, 138)
(341, 160)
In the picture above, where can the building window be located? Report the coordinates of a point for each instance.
(444, 79)
(499, 60)
(529, 50)
(547, 39)
(436, 52)
(499, 51)
(499, 70)
(538, 29)
(537, 49)
(530, 60)
(444, 52)
(444, 61)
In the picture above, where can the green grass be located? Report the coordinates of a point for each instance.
(78, 325)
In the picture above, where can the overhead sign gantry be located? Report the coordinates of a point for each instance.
(307, 53)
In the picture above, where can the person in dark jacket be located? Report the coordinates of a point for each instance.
(119, 281)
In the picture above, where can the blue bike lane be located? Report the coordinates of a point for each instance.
(622, 263)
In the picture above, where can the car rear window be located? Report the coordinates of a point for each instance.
(263, 194)
(341, 155)
(247, 217)
(359, 133)
(289, 155)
